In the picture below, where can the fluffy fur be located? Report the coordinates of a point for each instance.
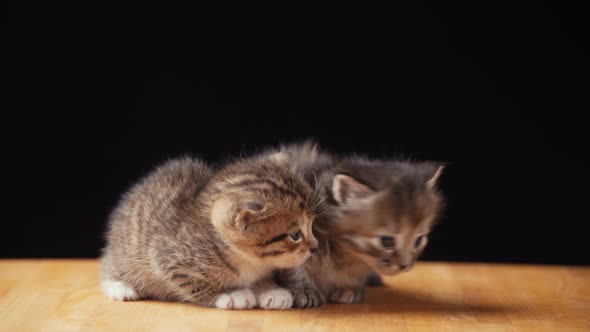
(375, 217)
(188, 233)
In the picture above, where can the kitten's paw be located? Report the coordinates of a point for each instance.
(118, 290)
(238, 300)
(348, 295)
(308, 298)
(276, 298)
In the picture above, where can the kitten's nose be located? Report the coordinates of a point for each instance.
(313, 250)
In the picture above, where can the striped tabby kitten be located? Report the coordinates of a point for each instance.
(187, 233)
(376, 217)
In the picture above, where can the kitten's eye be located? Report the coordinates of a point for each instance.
(420, 241)
(296, 236)
(387, 241)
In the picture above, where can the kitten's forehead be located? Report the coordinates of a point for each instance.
(407, 209)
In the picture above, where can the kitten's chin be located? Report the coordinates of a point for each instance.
(389, 271)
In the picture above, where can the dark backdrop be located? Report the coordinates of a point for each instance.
(491, 88)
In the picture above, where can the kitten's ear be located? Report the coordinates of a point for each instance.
(281, 158)
(222, 211)
(313, 151)
(347, 190)
(227, 212)
(433, 181)
(248, 213)
(308, 150)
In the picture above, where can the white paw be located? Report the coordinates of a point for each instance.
(118, 290)
(240, 299)
(277, 298)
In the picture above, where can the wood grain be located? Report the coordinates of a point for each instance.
(63, 295)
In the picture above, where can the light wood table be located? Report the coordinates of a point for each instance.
(63, 295)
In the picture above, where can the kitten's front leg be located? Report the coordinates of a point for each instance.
(348, 295)
(270, 296)
(198, 289)
(307, 297)
(305, 292)
(239, 299)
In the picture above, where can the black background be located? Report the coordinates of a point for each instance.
(494, 89)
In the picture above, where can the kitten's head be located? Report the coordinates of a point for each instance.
(266, 213)
(386, 211)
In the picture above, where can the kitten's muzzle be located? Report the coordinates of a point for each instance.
(390, 267)
(387, 267)
(404, 267)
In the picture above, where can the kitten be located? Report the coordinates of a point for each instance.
(376, 217)
(187, 233)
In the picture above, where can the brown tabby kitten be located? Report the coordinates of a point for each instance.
(376, 216)
(186, 233)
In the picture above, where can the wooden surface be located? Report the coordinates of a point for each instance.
(63, 295)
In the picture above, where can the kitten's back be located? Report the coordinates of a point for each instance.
(180, 179)
(133, 224)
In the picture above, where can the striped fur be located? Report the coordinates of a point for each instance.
(189, 233)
